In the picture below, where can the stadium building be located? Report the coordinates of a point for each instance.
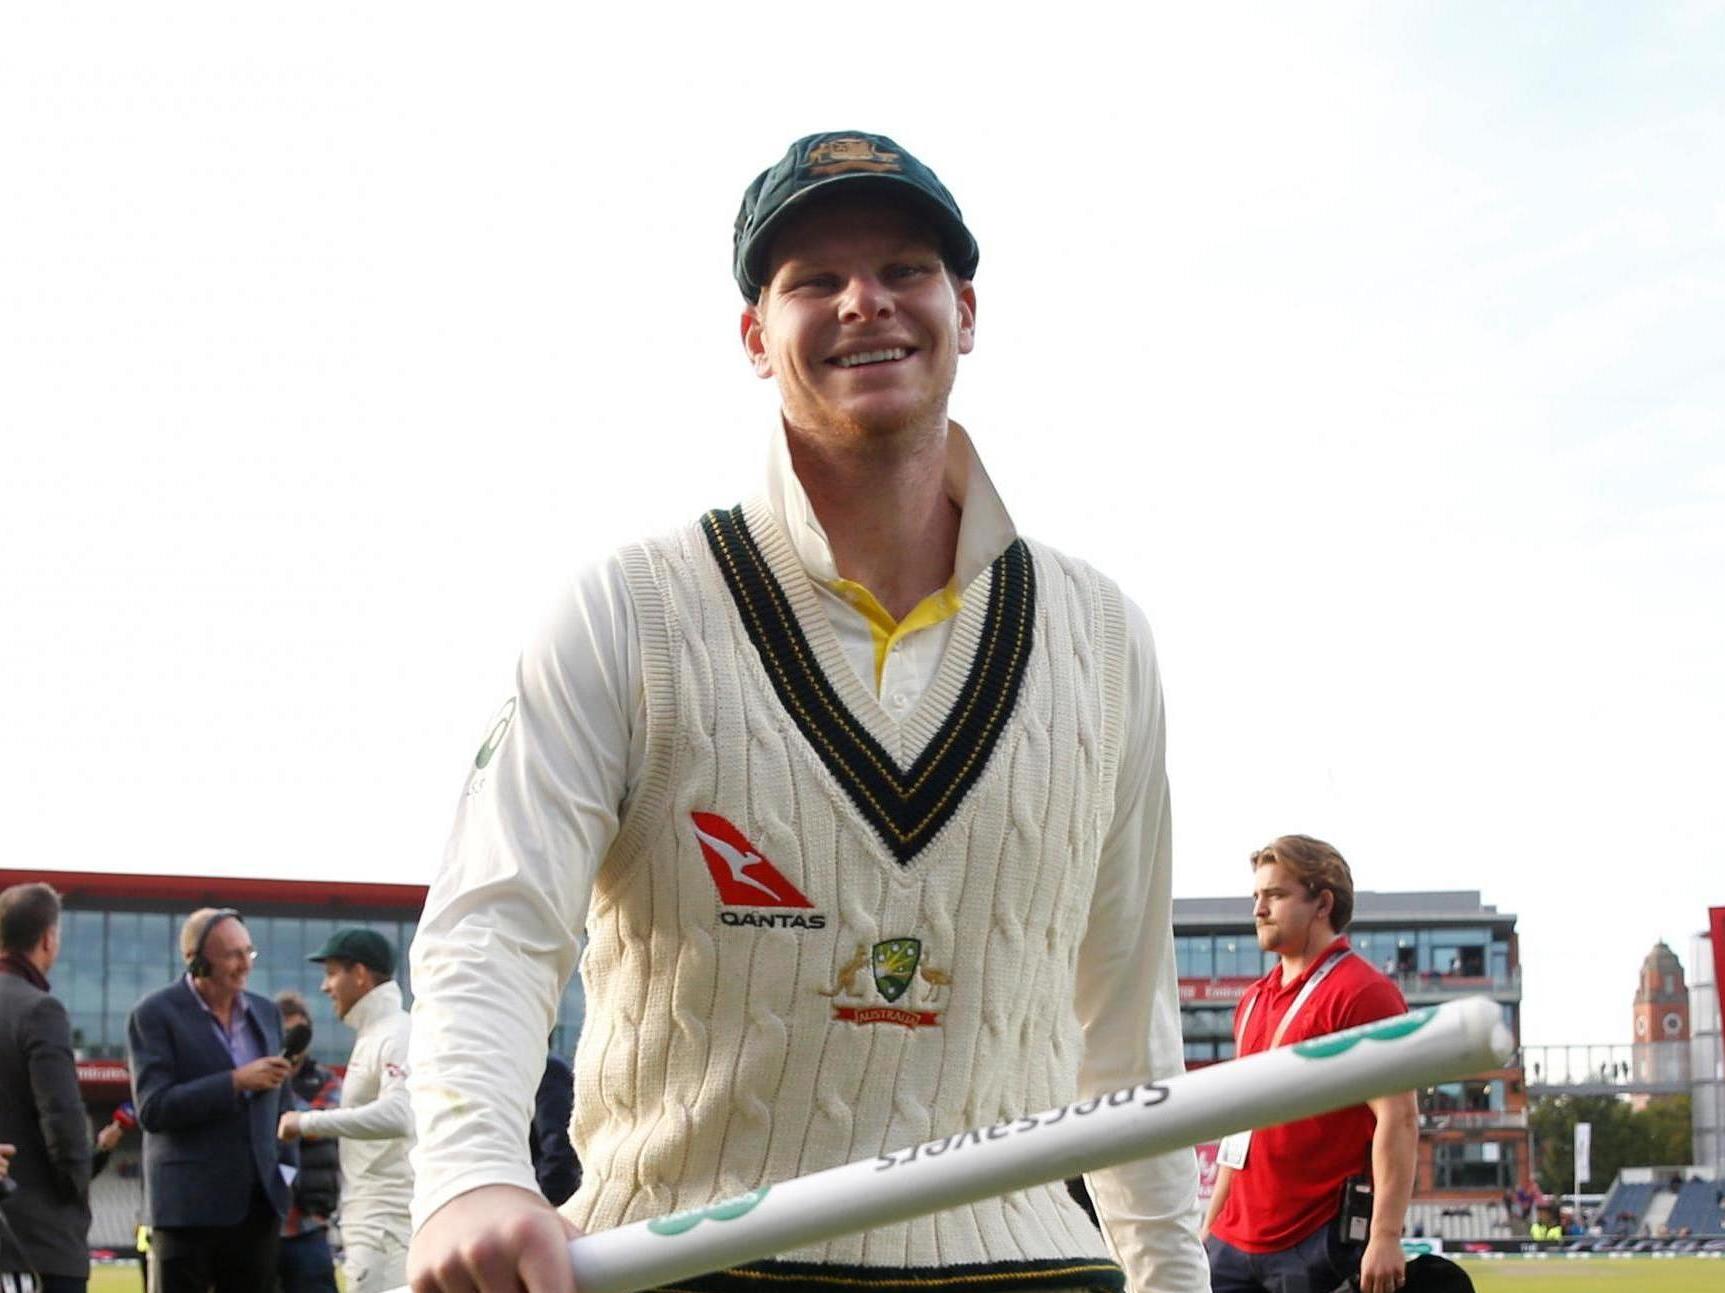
(120, 941)
(1436, 946)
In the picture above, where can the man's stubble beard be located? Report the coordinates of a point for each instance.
(906, 429)
(838, 427)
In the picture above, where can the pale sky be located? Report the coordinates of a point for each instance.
(1377, 350)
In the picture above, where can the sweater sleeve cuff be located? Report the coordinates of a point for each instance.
(427, 1202)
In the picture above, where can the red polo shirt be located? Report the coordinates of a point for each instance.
(1292, 1181)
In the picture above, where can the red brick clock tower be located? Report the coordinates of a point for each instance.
(1661, 1016)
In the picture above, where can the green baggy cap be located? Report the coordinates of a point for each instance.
(359, 945)
(861, 162)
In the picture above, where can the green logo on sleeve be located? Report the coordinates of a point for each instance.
(724, 1210)
(1384, 1030)
(494, 738)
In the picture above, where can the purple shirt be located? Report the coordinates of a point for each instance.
(243, 1044)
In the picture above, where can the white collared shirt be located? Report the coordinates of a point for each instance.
(985, 530)
(498, 938)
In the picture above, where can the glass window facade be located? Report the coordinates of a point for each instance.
(1194, 956)
(101, 973)
(1474, 1165)
(1238, 957)
(1469, 951)
(1473, 1096)
(111, 959)
(1208, 1052)
(1220, 956)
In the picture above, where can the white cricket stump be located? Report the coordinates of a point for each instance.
(1426, 1046)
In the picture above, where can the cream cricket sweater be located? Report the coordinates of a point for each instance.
(562, 774)
(902, 966)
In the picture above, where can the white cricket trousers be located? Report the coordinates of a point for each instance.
(375, 1269)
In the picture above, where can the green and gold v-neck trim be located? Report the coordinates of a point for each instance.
(907, 807)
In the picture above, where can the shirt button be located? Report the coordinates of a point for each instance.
(900, 700)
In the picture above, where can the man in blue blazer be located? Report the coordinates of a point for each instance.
(208, 1079)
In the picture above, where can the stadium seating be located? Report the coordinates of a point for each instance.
(1625, 1207)
(1697, 1208)
(116, 1202)
(1458, 1220)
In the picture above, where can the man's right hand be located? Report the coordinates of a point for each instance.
(496, 1239)
(6, 1152)
(262, 1075)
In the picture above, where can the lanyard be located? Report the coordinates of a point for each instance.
(1330, 962)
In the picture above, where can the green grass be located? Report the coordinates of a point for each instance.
(116, 1279)
(1608, 1275)
(1511, 1275)
(125, 1278)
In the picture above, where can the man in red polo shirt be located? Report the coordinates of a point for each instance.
(1277, 1219)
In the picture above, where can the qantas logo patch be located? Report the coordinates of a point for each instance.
(745, 878)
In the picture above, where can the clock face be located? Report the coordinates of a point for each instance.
(1672, 1023)
(1641, 1026)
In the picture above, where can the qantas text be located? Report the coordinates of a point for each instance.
(774, 919)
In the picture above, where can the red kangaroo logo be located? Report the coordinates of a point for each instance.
(744, 877)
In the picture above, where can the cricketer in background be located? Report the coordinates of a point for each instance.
(375, 1121)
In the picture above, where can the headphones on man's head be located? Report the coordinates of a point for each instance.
(197, 963)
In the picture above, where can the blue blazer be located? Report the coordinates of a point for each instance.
(207, 1148)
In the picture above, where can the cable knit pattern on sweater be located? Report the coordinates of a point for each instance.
(720, 1056)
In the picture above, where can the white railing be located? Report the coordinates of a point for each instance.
(1472, 1119)
(1631, 1067)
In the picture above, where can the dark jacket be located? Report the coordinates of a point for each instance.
(553, 1157)
(42, 1114)
(207, 1147)
(317, 1188)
